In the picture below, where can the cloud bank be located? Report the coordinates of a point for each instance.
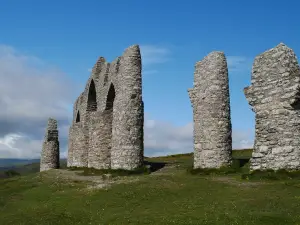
(30, 92)
(162, 138)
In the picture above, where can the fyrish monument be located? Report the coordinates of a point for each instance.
(108, 116)
(211, 112)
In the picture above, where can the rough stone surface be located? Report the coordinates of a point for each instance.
(107, 129)
(211, 112)
(50, 151)
(274, 95)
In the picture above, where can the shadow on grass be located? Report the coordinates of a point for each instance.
(154, 166)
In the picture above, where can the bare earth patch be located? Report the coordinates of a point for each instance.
(167, 169)
(92, 182)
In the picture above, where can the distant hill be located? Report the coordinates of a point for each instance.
(24, 167)
(15, 162)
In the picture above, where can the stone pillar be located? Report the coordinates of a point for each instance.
(274, 95)
(211, 112)
(50, 152)
(128, 113)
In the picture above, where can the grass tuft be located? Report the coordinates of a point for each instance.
(237, 166)
(271, 175)
(208, 171)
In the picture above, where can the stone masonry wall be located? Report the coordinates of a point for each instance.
(110, 131)
(50, 151)
(274, 95)
(100, 140)
(127, 133)
(78, 141)
(211, 112)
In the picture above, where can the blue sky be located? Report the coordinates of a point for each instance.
(174, 35)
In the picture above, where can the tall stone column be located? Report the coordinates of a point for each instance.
(128, 113)
(274, 95)
(211, 112)
(50, 151)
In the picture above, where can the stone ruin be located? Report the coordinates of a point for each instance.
(108, 116)
(274, 95)
(50, 151)
(211, 112)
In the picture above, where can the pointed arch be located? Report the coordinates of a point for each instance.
(92, 97)
(78, 117)
(106, 74)
(105, 79)
(110, 97)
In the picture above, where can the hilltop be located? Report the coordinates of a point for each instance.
(168, 195)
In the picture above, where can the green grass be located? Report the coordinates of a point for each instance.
(168, 196)
(272, 175)
(114, 173)
(242, 154)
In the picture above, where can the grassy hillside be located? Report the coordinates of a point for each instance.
(170, 195)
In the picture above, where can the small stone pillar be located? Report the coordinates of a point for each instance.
(50, 152)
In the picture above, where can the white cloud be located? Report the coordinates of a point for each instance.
(162, 138)
(238, 63)
(152, 54)
(19, 146)
(243, 139)
(30, 92)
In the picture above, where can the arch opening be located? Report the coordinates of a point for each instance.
(105, 79)
(92, 98)
(78, 117)
(110, 97)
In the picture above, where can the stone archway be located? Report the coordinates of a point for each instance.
(92, 98)
(100, 134)
(110, 97)
(78, 117)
